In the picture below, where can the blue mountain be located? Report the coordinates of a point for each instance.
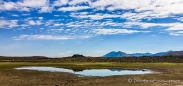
(141, 54)
(175, 53)
(162, 53)
(123, 54)
(116, 54)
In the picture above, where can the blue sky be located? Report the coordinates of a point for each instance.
(89, 27)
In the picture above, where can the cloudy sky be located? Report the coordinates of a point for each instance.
(89, 27)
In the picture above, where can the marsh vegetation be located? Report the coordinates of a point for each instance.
(11, 77)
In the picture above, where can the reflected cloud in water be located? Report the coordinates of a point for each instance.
(90, 72)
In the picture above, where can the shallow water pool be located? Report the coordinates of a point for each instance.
(90, 72)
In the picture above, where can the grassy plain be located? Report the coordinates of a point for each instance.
(11, 77)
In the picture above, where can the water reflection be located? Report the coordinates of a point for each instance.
(90, 72)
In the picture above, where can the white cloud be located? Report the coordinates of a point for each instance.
(103, 3)
(68, 29)
(84, 24)
(5, 24)
(49, 22)
(97, 16)
(113, 31)
(24, 9)
(177, 33)
(25, 5)
(25, 14)
(142, 8)
(32, 22)
(180, 18)
(73, 8)
(180, 32)
(58, 24)
(41, 28)
(12, 6)
(8, 6)
(170, 6)
(46, 9)
(144, 25)
(57, 29)
(13, 23)
(47, 37)
(38, 22)
(60, 2)
(33, 3)
(75, 2)
(175, 26)
(41, 37)
(174, 29)
(139, 25)
(40, 18)
(137, 16)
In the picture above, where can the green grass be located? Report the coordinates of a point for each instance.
(8, 65)
(11, 77)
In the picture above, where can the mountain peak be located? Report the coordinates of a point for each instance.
(115, 54)
(123, 54)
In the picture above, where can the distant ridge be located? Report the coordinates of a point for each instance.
(123, 54)
(162, 53)
(174, 53)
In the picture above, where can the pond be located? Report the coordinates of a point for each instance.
(90, 72)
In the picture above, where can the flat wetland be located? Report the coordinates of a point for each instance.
(167, 71)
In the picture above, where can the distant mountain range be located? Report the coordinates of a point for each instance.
(123, 54)
(175, 53)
